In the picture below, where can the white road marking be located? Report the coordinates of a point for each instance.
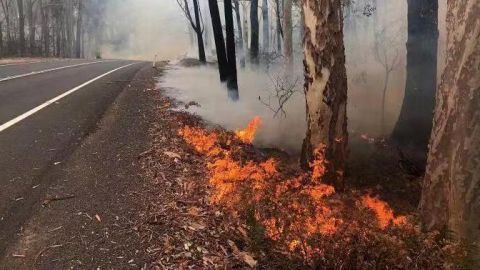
(47, 70)
(19, 118)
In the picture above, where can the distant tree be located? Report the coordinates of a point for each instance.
(31, 26)
(451, 188)
(78, 44)
(415, 122)
(279, 10)
(287, 36)
(325, 88)
(254, 28)
(265, 26)
(240, 32)
(195, 24)
(21, 27)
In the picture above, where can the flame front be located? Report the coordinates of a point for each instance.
(293, 209)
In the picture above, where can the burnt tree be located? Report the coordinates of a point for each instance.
(325, 88)
(254, 28)
(219, 41)
(415, 122)
(231, 58)
(196, 25)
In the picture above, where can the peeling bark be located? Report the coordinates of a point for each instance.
(325, 87)
(451, 190)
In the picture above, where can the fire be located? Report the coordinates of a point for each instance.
(318, 165)
(383, 212)
(247, 135)
(294, 210)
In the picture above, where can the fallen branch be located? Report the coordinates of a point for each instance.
(49, 200)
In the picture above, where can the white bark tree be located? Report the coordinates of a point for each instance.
(325, 86)
(451, 190)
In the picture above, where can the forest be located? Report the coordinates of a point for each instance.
(291, 134)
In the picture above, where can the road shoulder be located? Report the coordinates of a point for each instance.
(89, 215)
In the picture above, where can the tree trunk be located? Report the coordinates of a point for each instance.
(31, 27)
(279, 26)
(451, 189)
(240, 33)
(78, 45)
(45, 30)
(287, 36)
(254, 28)
(21, 26)
(231, 58)
(265, 24)
(198, 30)
(325, 87)
(1, 39)
(219, 41)
(69, 27)
(415, 122)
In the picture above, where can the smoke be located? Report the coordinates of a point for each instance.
(202, 86)
(140, 29)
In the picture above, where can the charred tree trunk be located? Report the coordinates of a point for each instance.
(231, 58)
(451, 189)
(254, 28)
(325, 87)
(219, 41)
(287, 36)
(198, 30)
(21, 26)
(415, 122)
(265, 26)
(78, 45)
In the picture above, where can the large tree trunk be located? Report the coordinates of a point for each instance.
(231, 58)
(198, 30)
(219, 41)
(451, 189)
(287, 36)
(325, 87)
(415, 122)
(21, 26)
(254, 28)
(78, 45)
(265, 26)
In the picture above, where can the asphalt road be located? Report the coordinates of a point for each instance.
(37, 135)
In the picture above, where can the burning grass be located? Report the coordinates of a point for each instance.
(305, 219)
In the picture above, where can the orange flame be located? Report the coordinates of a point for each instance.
(383, 212)
(247, 135)
(318, 165)
(292, 210)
